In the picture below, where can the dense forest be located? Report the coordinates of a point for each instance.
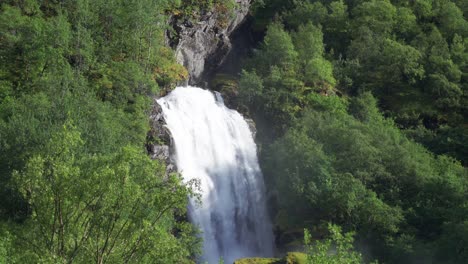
(76, 182)
(362, 113)
(360, 105)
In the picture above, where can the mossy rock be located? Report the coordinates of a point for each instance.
(225, 84)
(291, 258)
(295, 258)
(258, 261)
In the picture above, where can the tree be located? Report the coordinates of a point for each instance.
(337, 27)
(337, 158)
(451, 19)
(407, 23)
(454, 242)
(319, 71)
(308, 41)
(250, 87)
(361, 172)
(377, 15)
(336, 249)
(100, 208)
(277, 50)
(85, 192)
(314, 12)
(386, 66)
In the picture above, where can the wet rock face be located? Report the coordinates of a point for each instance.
(202, 45)
(252, 127)
(160, 144)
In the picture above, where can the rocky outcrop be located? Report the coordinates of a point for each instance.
(252, 127)
(160, 139)
(202, 45)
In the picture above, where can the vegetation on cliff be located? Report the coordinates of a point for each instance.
(362, 111)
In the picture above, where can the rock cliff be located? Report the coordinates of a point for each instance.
(203, 43)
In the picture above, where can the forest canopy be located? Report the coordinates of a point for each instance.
(362, 113)
(77, 185)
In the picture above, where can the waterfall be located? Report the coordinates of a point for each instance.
(214, 145)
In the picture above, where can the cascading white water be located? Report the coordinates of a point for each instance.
(214, 144)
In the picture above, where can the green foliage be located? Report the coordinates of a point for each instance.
(389, 65)
(85, 191)
(453, 244)
(320, 182)
(337, 26)
(339, 159)
(308, 40)
(319, 70)
(361, 172)
(376, 15)
(5, 246)
(277, 50)
(104, 208)
(410, 55)
(296, 258)
(336, 249)
(315, 11)
(286, 69)
(252, 86)
(194, 8)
